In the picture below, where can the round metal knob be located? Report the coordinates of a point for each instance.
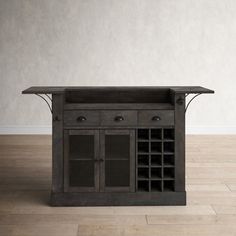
(156, 118)
(119, 118)
(81, 119)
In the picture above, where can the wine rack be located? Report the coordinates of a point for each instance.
(155, 159)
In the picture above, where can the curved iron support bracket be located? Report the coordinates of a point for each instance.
(191, 100)
(49, 97)
(48, 103)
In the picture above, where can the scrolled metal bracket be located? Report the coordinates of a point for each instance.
(47, 102)
(191, 100)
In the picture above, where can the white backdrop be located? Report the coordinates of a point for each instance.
(117, 42)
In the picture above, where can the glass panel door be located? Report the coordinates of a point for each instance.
(117, 153)
(81, 168)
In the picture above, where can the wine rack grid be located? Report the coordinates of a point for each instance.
(155, 159)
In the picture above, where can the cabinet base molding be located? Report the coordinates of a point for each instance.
(118, 199)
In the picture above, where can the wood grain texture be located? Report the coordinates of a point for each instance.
(25, 188)
(58, 89)
(57, 142)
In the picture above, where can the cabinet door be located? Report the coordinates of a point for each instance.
(81, 167)
(117, 165)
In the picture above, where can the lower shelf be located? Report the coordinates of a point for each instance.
(119, 199)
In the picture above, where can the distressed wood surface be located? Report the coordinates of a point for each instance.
(58, 89)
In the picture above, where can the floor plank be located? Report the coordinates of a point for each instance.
(225, 210)
(39, 230)
(48, 219)
(207, 188)
(232, 187)
(192, 220)
(209, 198)
(25, 180)
(160, 230)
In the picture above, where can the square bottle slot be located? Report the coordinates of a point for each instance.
(169, 160)
(143, 147)
(156, 134)
(143, 173)
(143, 185)
(143, 160)
(156, 160)
(143, 134)
(169, 134)
(169, 146)
(169, 185)
(169, 172)
(156, 186)
(156, 146)
(156, 172)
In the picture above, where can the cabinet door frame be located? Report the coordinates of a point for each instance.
(67, 134)
(131, 134)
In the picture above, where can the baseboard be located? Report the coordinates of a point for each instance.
(210, 130)
(26, 129)
(48, 130)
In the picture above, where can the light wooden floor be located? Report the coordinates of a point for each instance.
(25, 175)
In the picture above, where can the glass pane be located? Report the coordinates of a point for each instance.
(81, 173)
(117, 147)
(81, 146)
(117, 173)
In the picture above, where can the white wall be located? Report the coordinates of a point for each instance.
(117, 42)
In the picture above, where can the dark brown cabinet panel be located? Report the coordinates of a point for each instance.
(156, 117)
(118, 153)
(81, 160)
(81, 118)
(118, 118)
(105, 167)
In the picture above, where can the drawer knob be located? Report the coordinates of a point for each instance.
(81, 119)
(119, 118)
(156, 118)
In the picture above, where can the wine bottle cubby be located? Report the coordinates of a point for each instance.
(155, 157)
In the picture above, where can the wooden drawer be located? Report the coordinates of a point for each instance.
(156, 117)
(118, 118)
(81, 118)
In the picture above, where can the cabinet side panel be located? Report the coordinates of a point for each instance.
(102, 164)
(66, 161)
(179, 143)
(132, 161)
(57, 143)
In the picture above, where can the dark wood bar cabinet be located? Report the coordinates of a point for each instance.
(118, 145)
